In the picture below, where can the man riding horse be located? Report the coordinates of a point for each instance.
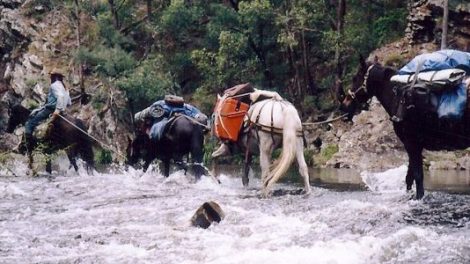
(58, 99)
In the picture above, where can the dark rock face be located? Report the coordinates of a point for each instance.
(425, 19)
(208, 213)
(11, 3)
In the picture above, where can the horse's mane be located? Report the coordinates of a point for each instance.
(380, 72)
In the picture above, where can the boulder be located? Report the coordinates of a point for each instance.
(206, 214)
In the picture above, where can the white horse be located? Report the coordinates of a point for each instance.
(271, 124)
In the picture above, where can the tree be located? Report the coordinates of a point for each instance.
(445, 22)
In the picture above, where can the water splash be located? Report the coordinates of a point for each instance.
(124, 215)
(386, 182)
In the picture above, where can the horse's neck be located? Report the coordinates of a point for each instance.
(386, 96)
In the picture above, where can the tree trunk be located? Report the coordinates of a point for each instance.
(79, 43)
(340, 13)
(445, 24)
(114, 12)
(149, 9)
(308, 74)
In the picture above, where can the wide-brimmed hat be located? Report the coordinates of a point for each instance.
(57, 71)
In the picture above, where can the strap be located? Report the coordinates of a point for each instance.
(418, 68)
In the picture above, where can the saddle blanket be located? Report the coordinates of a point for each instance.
(157, 129)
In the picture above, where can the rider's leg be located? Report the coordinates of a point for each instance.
(223, 150)
(32, 122)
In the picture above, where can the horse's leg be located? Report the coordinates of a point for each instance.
(303, 169)
(30, 163)
(248, 159)
(415, 170)
(71, 154)
(197, 152)
(166, 167)
(146, 165)
(48, 153)
(86, 153)
(409, 178)
(266, 147)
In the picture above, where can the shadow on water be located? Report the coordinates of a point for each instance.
(440, 209)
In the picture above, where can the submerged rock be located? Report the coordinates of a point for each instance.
(206, 214)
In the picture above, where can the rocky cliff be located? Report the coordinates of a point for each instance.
(34, 39)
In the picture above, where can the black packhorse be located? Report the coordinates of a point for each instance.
(60, 135)
(418, 130)
(182, 136)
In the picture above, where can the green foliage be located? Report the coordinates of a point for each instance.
(309, 156)
(200, 48)
(103, 156)
(394, 60)
(31, 82)
(146, 84)
(107, 61)
(390, 26)
(179, 21)
(325, 154)
(31, 104)
(39, 8)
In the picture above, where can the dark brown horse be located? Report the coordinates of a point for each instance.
(182, 136)
(60, 135)
(418, 130)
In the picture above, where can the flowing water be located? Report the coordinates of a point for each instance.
(134, 217)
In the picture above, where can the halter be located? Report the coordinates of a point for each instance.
(364, 84)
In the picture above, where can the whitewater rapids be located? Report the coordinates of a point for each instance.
(135, 217)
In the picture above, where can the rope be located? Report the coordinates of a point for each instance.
(92, 137)
(238, 95)
(196, 121)
(324, 122)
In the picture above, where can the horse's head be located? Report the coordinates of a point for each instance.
(133, 151)
(18, 114)
(358, 95)
(368, 77)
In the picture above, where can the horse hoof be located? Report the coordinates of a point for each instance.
(266, 194)
(306, 192)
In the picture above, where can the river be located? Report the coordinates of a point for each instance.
(122, 216)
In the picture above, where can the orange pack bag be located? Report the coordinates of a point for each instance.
(229, 114)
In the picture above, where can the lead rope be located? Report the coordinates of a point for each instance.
(92, 137)
(325, 122)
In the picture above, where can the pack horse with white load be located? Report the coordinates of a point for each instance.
(260, 121)
(426, 100)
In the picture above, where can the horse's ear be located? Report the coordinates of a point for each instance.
(388, 73)
(129, 140)
(362, 62)
(376, 59)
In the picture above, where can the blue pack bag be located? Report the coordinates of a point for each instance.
(438, 60)
(452, 103)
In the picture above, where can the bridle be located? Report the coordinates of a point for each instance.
(363, 86)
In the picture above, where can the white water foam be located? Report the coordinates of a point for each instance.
(388, 181)
(128, 216)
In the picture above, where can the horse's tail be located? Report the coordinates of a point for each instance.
(291, 125)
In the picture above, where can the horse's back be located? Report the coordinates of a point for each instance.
(272, 113)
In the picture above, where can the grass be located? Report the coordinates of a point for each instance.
(325, 155)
